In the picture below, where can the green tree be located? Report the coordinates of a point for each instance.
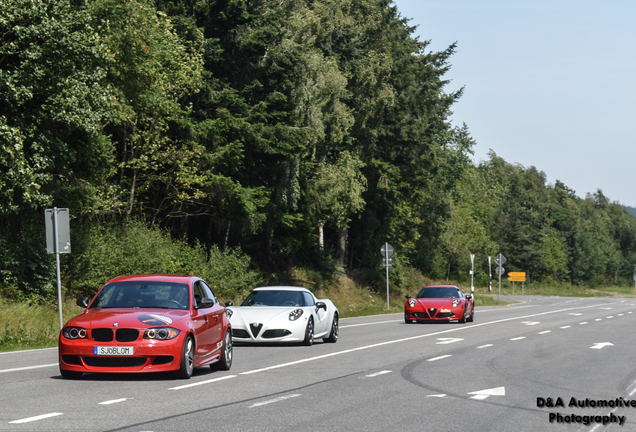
(53, 103)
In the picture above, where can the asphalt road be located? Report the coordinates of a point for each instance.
(499, 373)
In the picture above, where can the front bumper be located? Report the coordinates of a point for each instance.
(149, 356)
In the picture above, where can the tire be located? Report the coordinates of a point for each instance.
(187, 359)
(309, 333)
(72, 375)
(407, 321)
(333, 336)
(472, 315)
(225, 362)
(463, 319)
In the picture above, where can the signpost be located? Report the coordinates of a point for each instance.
(58, 240)
(489, 275)
(387, 262)
(517, 277)
(500, 260)
(472, 271)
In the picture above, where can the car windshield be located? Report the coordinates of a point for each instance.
(274, 298)
(438, 293)
(143, 294)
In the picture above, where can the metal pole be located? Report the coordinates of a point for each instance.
(386, 262)
(472, 272)
(489, 275)
(499, 283)
(57, 264)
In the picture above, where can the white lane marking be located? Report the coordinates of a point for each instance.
(530, 322)
(444, 341)
(564, 327)
(598, 319)
(366, 324)
(606, 308)
(29, 367)
(621, 314)
(437, 395)
(484, 346)
(601, 345)
(203, 382)
(546, 331)
(36, 418)
(282, 398)
(575, 313)
(584, 322)
(439, 358)
(483, 394)
(630, 311)
(518, 338)
(114, 401)
(610, 317)
(390, 342)
(379, 373)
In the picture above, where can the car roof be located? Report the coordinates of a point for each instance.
(282, 288)
(155, 278)
(440, 286)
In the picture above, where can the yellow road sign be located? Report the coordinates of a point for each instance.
(517, 274)
(517, 278)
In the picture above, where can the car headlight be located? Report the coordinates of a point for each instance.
(229, 313)
(74, 333)
(161, 333)
(295, 314)
(412, 302)
(456, 302)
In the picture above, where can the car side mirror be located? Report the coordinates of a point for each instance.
(205, 303)
(321, 305)
(408, 296)
(229, 303)
(469, 296)
(83, 302)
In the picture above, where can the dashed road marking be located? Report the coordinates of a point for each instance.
(438, 358)
(36, 418)
(282, 398)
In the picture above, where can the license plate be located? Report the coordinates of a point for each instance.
(113, 350)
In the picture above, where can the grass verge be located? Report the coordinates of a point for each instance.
(28, 326)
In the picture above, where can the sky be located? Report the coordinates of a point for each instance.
(550, 84)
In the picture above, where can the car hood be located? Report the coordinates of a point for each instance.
(437, 302)
(129, 318)
(261, 314)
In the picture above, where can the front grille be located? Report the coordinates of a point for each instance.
(159, 360)
(102, 334)
(240, 333)
(444, 315)
(71, 359)
(127, 335)
(270, 334)
(256, 328)
(115, 361)
(422, 315)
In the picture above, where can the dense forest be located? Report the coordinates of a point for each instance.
(238, 139)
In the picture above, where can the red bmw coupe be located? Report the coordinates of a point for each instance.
(439, 303)
(147, 323)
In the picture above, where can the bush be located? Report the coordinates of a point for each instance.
(136, 249)
(27, 271)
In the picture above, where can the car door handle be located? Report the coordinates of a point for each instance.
(216, 317)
